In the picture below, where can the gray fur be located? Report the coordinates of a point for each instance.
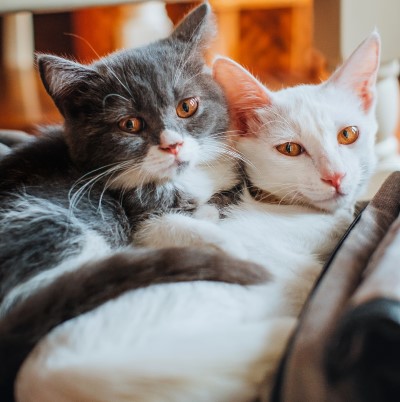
(43, 215)
(14, 137)
(10, 139)
(55, 191)
(4, 150)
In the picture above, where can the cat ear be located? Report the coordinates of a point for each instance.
(359, 71)
(243, 92)
(63, 78)
(197, 28)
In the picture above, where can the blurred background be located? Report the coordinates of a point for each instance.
(282, 42)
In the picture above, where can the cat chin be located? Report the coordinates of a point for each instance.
(333, 203)
(175, 169)
(170, 173)
(162, 176)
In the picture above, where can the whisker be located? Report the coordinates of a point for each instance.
(109, 96)
(105, 61)
(90, 181)
(181, 65)
(194, 76)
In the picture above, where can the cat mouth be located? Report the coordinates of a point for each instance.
(332, 201)
(333, 197)
(181, 165)
(177, 166)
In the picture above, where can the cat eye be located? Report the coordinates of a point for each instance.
(290, 149)
(131, 125)
(187, 107)
(348, 135)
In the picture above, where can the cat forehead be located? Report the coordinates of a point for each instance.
(159, 59)
(151, 76)
(317, 108)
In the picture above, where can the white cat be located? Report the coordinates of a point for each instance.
(312, 148)
(310, 154)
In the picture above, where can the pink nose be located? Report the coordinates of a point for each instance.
(334, 180)
(172, 148)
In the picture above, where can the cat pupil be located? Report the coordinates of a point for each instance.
(345, 134)
(185, 107)
(288, 147)
(129, 124)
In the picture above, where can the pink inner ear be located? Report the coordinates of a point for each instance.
(359, 71)
(367, 97)
(244, 94)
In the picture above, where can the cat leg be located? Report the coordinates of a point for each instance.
(171, 230)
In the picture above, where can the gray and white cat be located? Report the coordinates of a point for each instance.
(139, 124)
(310, 152)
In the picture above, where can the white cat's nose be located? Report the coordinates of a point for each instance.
(334, 180)
(170, 142)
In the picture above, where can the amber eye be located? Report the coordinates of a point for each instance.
(348, 135)
(187, 107)
(131, 125)
(290, 149)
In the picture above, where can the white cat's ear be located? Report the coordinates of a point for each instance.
(62, 77)
(243, 92)
(359, 71)
(197, 28)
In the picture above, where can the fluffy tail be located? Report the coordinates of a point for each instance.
(82, 290)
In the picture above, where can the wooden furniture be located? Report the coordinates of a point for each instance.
(273, 38)
(23, 100)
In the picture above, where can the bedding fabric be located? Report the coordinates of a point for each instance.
(347, 344)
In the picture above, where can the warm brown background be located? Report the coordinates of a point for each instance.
(272, 38)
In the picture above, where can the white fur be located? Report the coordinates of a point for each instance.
(311, 116)
(216, 342)
(208, 179)
(161, 166)
(212, 354)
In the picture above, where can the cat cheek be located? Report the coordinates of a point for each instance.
(185, 154)
(191, 150)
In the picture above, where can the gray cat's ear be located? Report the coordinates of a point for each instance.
(243, 92)
(197, 28)
(359, 72)
(62, 78)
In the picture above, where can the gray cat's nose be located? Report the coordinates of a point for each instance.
(171, 142)
(172, 148)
